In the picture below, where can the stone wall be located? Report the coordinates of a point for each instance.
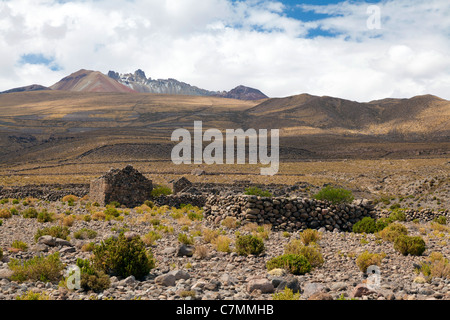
(289, 214)
(46, 192)
(423, 215)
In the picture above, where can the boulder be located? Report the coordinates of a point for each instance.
(263, 285)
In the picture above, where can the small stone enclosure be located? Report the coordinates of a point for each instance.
(127, 186)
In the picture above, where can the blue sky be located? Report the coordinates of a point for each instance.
(283, 48)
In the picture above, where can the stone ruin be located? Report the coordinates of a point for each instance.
(180, 185)
(127, 186)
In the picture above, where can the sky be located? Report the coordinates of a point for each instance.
(356, 50)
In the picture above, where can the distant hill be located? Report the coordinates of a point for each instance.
(139, 82)
(243, 93)
(90, 81)
(33, 87)
(422, 116)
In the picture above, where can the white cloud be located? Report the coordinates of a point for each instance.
(217, 45)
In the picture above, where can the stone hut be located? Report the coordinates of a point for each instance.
(127, 186)
(180, 185)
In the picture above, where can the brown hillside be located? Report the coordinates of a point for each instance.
(90, 81)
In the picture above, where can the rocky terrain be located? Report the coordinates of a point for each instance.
(202, 270)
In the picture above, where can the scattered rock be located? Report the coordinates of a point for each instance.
(321, 296)
(264, 285)
(167, 280)
(185, 250)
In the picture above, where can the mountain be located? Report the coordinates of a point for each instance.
(89, 81)
(419, 116)
(140, 83)
(33, 87)
(243, 93)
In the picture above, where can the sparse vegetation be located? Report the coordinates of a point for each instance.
(414, 246)
(255, 191)
(33, 296)
(311, 252)
(366, 225)
(249, 244)
(334, 195)
(91, 278)
(20, 245)
(309, 236)
(54, 231)
(286, 294)
(160, 191)
(123, 257)
(39, 268)
(392, 232)
(85, 234)
(293, 263)
(367, 259)
(222, 243)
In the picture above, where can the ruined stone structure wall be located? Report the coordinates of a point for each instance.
(127, 186)
(288, 214)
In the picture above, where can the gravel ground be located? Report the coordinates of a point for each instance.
(221, 275)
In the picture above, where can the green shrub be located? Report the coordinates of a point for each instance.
(366, 225)
(14, 211)
(441, 220)
(15, 201)
(334, 195)
(414, 246)
(45, 216)
(39, 268)
(91, 278)
(230, 222)
(160, 191)
(249, 244)
(112, 211)
(30, 213)
(435, 266)
(19, 245)
(114, 204)
(54, 231)
(397, 215)
(255, 191)
(85, 234)
(366, 259)
(33, 296)
(286, 294)
(185, 239)
(123, 257)
(150, 238)
(195, 216)
(149, 203)
(293, 263)
(382, 223)
(310, 252)
(1, 253)
(5, 213)
(4, 201)
(392, 231)
(310, 236)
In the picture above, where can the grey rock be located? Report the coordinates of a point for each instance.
(47, 240)
(184, 250)
(167, 280)
(264, 285)
(6, 274)
(310, 289)
(291, 283)
(180, 274)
